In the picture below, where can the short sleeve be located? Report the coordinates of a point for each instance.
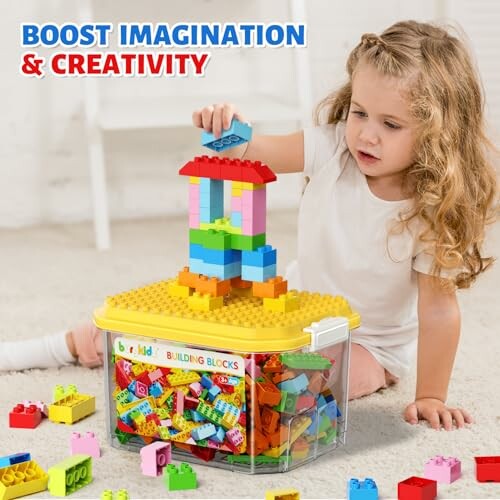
(423, 261)
(321, 143)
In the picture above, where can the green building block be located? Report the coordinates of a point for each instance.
(324, 424)
(257, 460)
(123, 437)
(288, 403)
(305, 361)
(119, 495)
(60, 393)
(215, 240)
(70, 475)
(209, 413)
(330, 437)
(182, 478)
(245, 242)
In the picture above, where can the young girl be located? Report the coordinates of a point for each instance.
(398, 192)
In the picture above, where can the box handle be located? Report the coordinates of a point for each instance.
(327, 331)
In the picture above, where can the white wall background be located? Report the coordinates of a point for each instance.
(44, 175)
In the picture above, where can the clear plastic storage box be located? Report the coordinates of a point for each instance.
(238, 387)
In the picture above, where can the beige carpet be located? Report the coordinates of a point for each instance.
(52, 278)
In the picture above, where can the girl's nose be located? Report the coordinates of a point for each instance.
(368, 135)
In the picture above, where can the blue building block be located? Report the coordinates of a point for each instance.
(196, 416)
(331, 410)
(223, 272)
(196, 265)
(203, 432)
(156, 390)
(213, 392)
(213, 256)
(206, 382)
(294, 385)
(364, 490)
(261, 274)
(17, 458)
(236, 219)
(238, 133)
(262, 257)
(219, 436)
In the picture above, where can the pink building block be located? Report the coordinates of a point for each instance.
(196, 389)
(253, 211)
(194, 221)
(86, 445)
(154, 457)
(443, 470)
(252, 368)
(40, 405)
(234, 436)
(179, 402)
(235, 203)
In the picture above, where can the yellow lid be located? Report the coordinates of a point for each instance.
(242, 324)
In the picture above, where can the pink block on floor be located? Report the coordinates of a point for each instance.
(86, 445)
(155, 457)
(443, 470)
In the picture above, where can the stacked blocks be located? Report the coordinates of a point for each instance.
(362, 490)
(70, 475)
(234, 247)
(20, 476)
(85, 445)
(442, 470)
(179, 478)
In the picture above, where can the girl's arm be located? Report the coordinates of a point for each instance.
(282, 153)
(439, 332)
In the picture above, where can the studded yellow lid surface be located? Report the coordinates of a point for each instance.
(242, 324)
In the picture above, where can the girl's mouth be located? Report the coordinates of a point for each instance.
(367, 158)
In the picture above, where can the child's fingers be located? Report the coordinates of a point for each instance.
(207, 117)
(467, 416)
(411, 414)
(196, 118)
(217, 120)
(446, 420)
(458, 417)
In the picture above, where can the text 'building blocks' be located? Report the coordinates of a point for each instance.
(21, 478)
(442, 469)
(362, 490)
(179, 478)
(155, 457)
(417, 488)
(85, 445)
(488, 469)
(70, 475)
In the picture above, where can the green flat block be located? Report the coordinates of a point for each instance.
(259, 459)
(245, 242)
(181, 478)
(305, 361)
(215, 240)
(70, 475)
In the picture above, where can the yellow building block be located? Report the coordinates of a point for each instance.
(204, 302)
(20, 480)
(72, 408)
(248, 186)
(175, 289)
(288, 494)
(184, 378)
(163, 398)
(298, 426)
(194, 180)
(286, 302)
(60, 392)
(181, 437)
(223, 224)
(276, 451)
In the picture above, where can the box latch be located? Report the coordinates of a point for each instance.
(328, 331)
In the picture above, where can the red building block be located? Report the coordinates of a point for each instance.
(488, 469)
(417, 488)
(25, 417)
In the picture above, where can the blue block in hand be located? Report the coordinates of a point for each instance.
(238, 133)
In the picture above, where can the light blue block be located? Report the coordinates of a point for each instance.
(219, 436)
(197, 417)
(294, 385)
(156, 389)
(17, 458)
(196, 266)
(213, 256)
(261, 274)
(236, 219)
(238, 133)
(261, 257)
(213, 392)
(203, 432)
(223, 272)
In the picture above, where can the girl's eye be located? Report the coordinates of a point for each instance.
(392, 125)
(359, 113)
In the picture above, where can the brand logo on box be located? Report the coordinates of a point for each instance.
(179, 357)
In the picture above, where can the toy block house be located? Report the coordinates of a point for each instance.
(229, 254)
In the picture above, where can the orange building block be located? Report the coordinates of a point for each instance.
(273, 364)
(268, 394)
(214, 286)
(271, 289)
(270, 420)
(316, 383)
(187, 278)
(279, 437)
(258, 444)
(239, 283)
(281, 377)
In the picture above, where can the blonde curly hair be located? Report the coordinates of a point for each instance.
(452, 180)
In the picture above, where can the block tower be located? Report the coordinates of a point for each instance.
(229, 254)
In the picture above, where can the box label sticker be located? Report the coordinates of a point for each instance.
(171, 356)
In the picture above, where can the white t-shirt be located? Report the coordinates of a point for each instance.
(344, 249)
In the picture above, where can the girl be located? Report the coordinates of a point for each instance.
(398, 192)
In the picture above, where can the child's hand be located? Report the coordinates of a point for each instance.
(436, 413)
(216, 118)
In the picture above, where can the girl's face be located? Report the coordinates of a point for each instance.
(380, 131)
